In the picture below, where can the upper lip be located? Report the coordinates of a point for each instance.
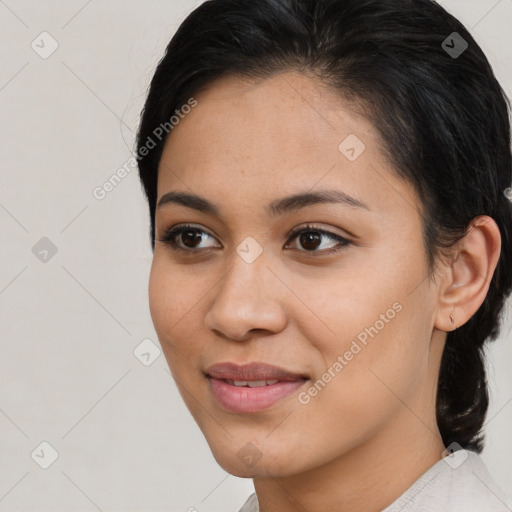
(251, 371)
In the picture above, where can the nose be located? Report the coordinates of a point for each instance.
(249, 297)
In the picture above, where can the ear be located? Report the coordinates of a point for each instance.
(465, 279)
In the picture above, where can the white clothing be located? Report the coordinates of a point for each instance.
(459, 482)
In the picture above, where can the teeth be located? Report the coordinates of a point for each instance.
(256, 383)
(253, 383)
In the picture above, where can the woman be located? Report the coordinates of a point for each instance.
(328, 185)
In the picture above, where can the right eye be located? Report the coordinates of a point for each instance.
(186, 234)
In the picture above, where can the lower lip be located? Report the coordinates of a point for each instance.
(246, 399)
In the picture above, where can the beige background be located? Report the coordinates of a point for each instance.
(69, 326)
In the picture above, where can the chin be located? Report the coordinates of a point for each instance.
(250, 462)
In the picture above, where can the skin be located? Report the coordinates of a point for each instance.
(247, 143)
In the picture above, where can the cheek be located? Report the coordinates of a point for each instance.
(171, 308)
(377, 338)
(383, 360)
(160, 291)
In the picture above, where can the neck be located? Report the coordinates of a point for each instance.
(369, 477)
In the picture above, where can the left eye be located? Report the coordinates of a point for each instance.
(310, 237)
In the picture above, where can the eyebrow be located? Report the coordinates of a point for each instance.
(277, 207)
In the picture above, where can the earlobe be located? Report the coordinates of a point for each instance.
(467, 277)
(452, 320)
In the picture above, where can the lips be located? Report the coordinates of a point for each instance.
(254, 371)
(252, 383)
(252, 387)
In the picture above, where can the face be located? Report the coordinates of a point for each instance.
(332, 292)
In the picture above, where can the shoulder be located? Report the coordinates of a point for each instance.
(251, 505)
(459, 482)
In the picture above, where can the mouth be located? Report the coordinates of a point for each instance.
(251, 387)
(251, 372)
(251, 383)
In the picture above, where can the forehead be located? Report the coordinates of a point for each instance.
(265, 138)
(287, 112)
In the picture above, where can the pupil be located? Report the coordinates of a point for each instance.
(194, 235)
(310, 237)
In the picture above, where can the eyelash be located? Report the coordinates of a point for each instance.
(171, 234)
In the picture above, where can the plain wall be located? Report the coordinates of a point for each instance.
(69, 325)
